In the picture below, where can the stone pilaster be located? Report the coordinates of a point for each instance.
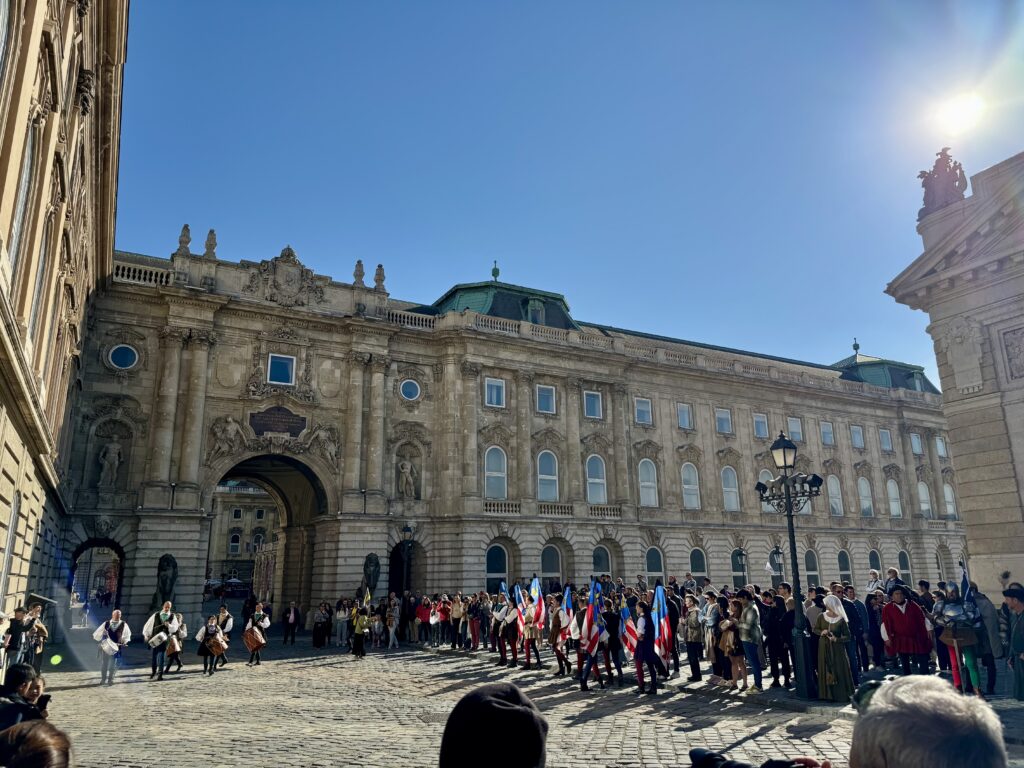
(621, 447)
(470, 403)
(525, 465)
(574, 461)
(199, 342)
(375, 427)
(357, 362)
(162, 443)
(938, 498)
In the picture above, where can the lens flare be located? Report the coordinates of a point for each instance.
(56, 659)
(960, 114)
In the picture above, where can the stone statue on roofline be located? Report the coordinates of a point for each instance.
(943, 185)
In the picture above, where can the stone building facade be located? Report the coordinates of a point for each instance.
(61, 66)
(970, 281)
(499, 434)
(244, 521)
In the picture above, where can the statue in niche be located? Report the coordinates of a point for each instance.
(407, 475)
(371, 571)
(110, 459)
(166, 578)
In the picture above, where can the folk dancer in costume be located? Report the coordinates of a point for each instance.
(258, 621)
(226, 622)
(117, 633)
(645, 648)
(164, 622)
(500, 618)
(576, 630)
(613, 645)
(559, 629)
(531, 630)
(210, 631)
(175, 645)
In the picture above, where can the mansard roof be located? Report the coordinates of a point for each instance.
(512, 302)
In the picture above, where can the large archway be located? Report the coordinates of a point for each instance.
(97, 574)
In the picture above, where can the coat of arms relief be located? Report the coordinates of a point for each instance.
(285, 281)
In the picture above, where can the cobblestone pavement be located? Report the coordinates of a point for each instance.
(306, 708)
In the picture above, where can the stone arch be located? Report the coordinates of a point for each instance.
(567, 560)
(422, 545)
(607, 537)
(77, 565)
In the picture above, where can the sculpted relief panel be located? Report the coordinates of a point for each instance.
(961, 341)
(1013, 345)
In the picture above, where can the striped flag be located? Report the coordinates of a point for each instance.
(627, 629)
(965, 584)
(520, 610)
(590, 635)
(662, 625)
(540, 608)
(567, 606)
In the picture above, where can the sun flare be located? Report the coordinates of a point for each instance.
(960, 114)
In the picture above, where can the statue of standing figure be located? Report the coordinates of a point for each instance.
(406, 479)
(110, 459)
(943, 185)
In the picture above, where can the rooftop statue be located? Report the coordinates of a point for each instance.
(943, 185)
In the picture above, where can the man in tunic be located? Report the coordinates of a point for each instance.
(904, 631)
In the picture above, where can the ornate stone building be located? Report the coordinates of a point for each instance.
(60, 108)
(244, 521)
(499, 434)
(970, 281)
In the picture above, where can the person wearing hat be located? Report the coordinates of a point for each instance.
(1014, 599)
(905, 632)
(499, 708)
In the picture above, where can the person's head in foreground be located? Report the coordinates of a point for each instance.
(34, 744)
(494, 709)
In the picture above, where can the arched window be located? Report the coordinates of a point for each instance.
(867, 507)
(547, 476)
(648, 483)
(497, 568)
(597, 487)
(730, 490)
(845, 569)
(257, 542)
(602, 560)
(495, 474)
(550, 564)
(738, 561)
(892, 488)
(233, 573)
(39, 288)
(18, 226)
(875, 562)
(5, 37)
(811, 568)
(764, 476)
(950, 498)
(924, 498)
(698, 565)
(235, 544)
(655, 566)
(835, 496)
(904, 560)
(691, 487)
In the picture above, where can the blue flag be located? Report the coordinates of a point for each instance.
(965, 584)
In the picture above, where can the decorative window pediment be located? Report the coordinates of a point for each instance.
(647, 449)
(496, 434)
(690, 453)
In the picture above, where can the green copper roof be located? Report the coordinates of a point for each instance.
(512, 302)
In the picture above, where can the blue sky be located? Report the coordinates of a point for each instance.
(736, 173)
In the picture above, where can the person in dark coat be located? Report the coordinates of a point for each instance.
(777, 641)
(674, 612)
(489, 712)
(14, 706)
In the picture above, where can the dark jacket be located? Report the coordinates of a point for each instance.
(854, 618)
(14, 709)
(298, 616)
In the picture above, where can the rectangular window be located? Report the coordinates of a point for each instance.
(796, 429)
(760, 425)
(281, 370)
(723, 421)
(545, 399)
(592, 405)
(684, 415)
(885, 440)
(642, 410)
(236, 514)
(828, 435)
(260, 514)
(915, 444)
(857, 436)
(495, 393)
(940, 447)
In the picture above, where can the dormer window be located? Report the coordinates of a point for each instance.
(535, 312)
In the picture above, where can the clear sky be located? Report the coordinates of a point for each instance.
(736, 173)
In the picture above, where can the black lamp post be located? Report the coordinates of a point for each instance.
(788, 493)
(406, 555)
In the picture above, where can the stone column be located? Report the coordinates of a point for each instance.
(450, 458)
(357, 362)
(470, 402)
(162, 442)
(524, 454)
(200, 341)
(574, 462)
(938, 499)
(621, 448)
(375, 428)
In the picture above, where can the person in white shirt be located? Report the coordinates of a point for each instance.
(163, 625)
(226, 622)
(260, 621)
(118, 634)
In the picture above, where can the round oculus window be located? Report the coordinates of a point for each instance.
(124, 357)
(410, 389)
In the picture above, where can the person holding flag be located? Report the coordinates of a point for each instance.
(508, 628)
(532, 631)
(664, 632)
(590, 636)
(645, 653)
(559, 627)
(627, 629)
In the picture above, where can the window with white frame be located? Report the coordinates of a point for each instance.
(592, 406)
(281, 370)
(16, 242)
(867, 507)
(845, 568)
(875, 561)
(940, 447)
(723, 421)
(597, 486)
(684, 415)
(835, 495)
(885, 440)
(545, 398)
(950, 499)
(691, 486)
(547, 476)
(494, 390)
(257, 542)
(924, 499)
(642, 412)
(916, 446)
(795, 425)
(655, 566)
(857, 435)
(764, 476)
(828, 434)
(233, 573)
(495, 473)
(761, 425)
(602, 560)
(235, 544)
(892, 489)
(903, 558)
(648, 475)
(698, 565)
(811, 569)
(730, 490)
(550, 564)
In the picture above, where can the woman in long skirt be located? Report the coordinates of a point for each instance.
(835, 681)
(208, 631)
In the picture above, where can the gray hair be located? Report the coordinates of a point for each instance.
(922, 722)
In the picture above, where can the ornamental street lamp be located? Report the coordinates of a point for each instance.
(788, 493)
(406, 554)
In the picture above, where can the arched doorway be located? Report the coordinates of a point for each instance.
(97, 574)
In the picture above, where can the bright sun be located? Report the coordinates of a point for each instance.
(960, 114)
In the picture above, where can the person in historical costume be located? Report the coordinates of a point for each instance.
(645, 653)
(693, 636)
(321, 625)
(226, 622)
(612, 647)
(1015, 637)
(531, 630)
(961, 623)
(161, 626)
(730, 644)
(176, 644)
(210, 637)
(256, 629)
(499, 618)
(904, 631)
(556, 636)
(360, 631)
(835, 680)
(117, 635)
